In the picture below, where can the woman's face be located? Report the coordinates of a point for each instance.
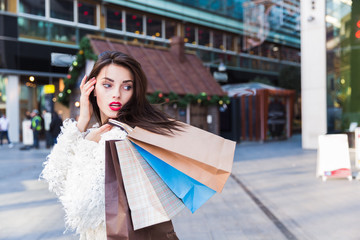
(113, 89)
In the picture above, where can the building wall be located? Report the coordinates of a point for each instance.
(313, 72)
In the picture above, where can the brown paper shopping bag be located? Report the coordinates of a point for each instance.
(118, 218)
(199, 154)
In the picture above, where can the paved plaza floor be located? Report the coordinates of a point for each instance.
(272, 194)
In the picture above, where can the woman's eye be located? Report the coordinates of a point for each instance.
(127, 87)
(106, 85)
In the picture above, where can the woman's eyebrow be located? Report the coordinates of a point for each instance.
(112, 80)
(109, 79)
(127, 81)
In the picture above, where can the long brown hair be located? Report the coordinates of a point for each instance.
(137, 111)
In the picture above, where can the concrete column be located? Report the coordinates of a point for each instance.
(13, 107)
(313, 72)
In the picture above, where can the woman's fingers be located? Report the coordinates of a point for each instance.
(88, 87)
(104, 128)
(83, 81)
(95, 135)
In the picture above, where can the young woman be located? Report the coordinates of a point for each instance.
(75, 169)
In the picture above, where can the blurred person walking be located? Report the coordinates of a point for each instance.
(47, 121)
(36, 126)
(4, 127)
(55, 126)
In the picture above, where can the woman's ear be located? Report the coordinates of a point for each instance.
(94, 92)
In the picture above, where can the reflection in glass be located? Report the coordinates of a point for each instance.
(228, 8)
(153, 27)
(170, 29)
(204, 37)
(62, 34)
(134, 23)
(62, 9)
(343, 58)
(189, 34)
(86, 13)
(35, 7)
(32, 29)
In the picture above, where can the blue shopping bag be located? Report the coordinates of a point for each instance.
(193, 193)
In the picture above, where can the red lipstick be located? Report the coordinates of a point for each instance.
(115, 106)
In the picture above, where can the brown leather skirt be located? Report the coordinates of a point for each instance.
(118, 219)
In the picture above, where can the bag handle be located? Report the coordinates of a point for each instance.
(122, 125)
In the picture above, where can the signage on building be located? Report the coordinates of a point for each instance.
(62, 60)
(220, 76)
(333, 157)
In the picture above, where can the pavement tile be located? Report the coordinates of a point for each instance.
(280, 174)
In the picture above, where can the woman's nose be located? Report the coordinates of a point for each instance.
(116, 95)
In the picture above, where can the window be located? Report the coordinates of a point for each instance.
(230, 43)
(170, 29)
(62, 9)
(32, 29)
(134, 23)
(35, 7)
(87, 13)
(3, 80)
(3, 5)
(114, 19)
(153, 27)
(204, 37)
(62, 34)
(218, 40)
(189, 34)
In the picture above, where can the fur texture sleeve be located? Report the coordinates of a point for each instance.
(79, 180)
(59, 160)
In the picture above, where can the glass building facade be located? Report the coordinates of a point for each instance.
(343, 57)
(261, 36)
(251, 38)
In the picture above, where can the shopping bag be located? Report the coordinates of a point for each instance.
(199, 154)
(117, 213)
(193, 193)
(150, 199)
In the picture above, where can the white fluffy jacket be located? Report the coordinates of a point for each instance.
(75, 171)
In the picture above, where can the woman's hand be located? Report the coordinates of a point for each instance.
(85, 106)
(95, 134)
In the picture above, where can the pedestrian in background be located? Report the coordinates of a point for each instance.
(36, 126)
(27, 115)
(4, 127)
(55, 126)
(47, 121)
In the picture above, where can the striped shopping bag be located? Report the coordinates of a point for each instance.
(150, 200)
